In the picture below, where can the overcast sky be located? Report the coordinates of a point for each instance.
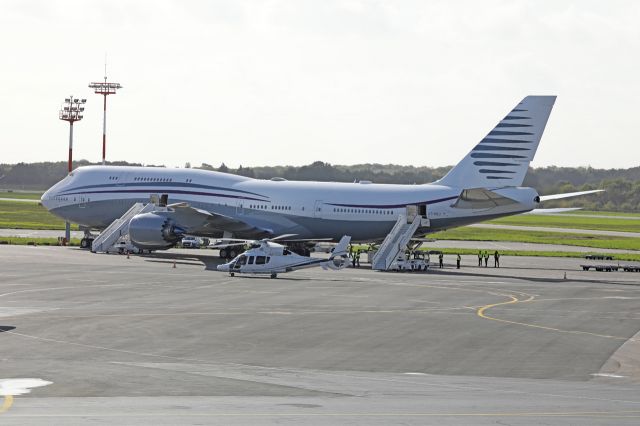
(292, 82)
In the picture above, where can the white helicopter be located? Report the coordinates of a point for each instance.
(270, 258)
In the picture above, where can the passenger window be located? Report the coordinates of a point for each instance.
(250, 260)
(268, 259)
(260, 260)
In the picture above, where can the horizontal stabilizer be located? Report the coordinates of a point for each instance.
(481, 199)
(553, 211)
(567, 195)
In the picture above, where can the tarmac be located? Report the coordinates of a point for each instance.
(164, 340)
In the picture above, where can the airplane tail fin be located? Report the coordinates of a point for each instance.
(342, 247)
(502, 158)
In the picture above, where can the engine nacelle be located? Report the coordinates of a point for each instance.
(154, 231)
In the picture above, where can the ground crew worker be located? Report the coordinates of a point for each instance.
(496, 259)
(353, 260)
(441, 260)
(458, 259)
(358, 259)
(486, 258)
(479, 258)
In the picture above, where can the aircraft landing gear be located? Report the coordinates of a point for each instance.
(232, 274)
(87, 240)
(274, 275)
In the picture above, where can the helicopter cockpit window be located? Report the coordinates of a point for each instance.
(286, 252)
(260, 260)
(242, 260)
(250, 260)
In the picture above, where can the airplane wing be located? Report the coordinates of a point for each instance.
(204, 223)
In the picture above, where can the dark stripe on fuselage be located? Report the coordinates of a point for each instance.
(515, 117)
(392, 206)
(167, 191)
(155, 184)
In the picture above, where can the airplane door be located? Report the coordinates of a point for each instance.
(317, 208)
(240, 208)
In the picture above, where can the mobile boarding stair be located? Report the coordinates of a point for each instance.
(397, 240)
(119, 228)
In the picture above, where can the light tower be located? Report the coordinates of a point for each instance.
(72, 110)
(105, 88)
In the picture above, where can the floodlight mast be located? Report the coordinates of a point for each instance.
(104, 88)
(71, 111)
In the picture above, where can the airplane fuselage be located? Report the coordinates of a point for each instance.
(94, 196)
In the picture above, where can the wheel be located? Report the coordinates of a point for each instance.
(274, 275)
(223, 253)
(232, 274)
(232, 254)
(84, 243)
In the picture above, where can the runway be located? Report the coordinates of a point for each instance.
(136, 340)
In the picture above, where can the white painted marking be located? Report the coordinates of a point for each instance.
(20, 386)
(411, 373)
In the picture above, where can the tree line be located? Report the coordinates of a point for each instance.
(622, 186)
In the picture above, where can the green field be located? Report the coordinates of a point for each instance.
(559, 221)
(540, 237)
(21, 241)
(604, 213)
(21, 215)
(21, 195)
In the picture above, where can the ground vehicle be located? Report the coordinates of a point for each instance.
(410, 262)
(123, 246)
(190, 242)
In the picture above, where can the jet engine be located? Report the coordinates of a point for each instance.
(154, 231)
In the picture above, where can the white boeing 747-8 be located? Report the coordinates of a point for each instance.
(484, 185)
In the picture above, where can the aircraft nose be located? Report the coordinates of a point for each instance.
(222, 268)
(45, 200)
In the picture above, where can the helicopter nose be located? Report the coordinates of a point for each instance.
(223, 268)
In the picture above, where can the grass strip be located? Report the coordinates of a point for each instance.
(594, 223)
(21, 195)
(538, 237)
(19, 215)
(23, 241)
